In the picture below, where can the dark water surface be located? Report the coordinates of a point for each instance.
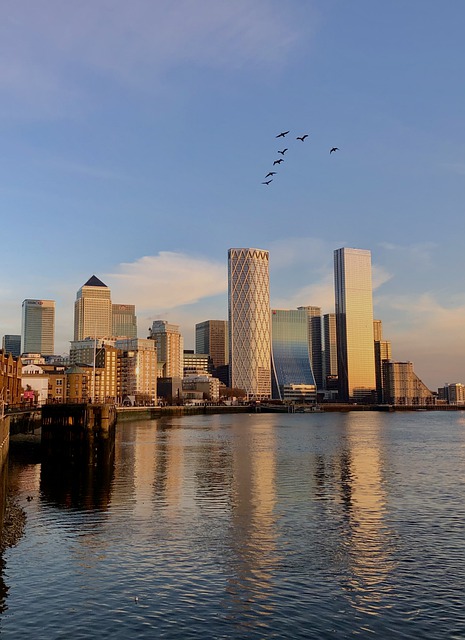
(247, 526)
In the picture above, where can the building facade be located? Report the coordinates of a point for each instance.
(123, 321)
(211, 337)
(10, 379)
(354, 325)
(38, 327)
(249, 321)
(12, 344)
(403, 386)
(93, 311)
(137, 377)
(315, 346)
(292, 376)
(329, 348)
(170, 348)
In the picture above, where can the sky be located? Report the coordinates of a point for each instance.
(135, 138)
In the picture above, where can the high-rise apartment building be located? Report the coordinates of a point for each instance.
(211, 336)
(93, 311)
(38, 327)
(292, 376)
(354, 325)
(170, 348)
(123, 321)
(315, 343)
(249, 321)
(137, 370)
(403, 386)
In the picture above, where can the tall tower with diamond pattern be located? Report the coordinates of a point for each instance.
(249, 321)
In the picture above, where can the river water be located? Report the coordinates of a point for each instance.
(246, 526)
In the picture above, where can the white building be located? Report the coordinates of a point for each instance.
(249, 321)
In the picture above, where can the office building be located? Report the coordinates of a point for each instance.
(249, 321)
(12, 344)
(93, 311)
(292, 376)
(329, 348)
(170, 348)
(382, 353)
(38, 327)
(196, 363)
(315, 346)
(354, 325)
(123, 321)
(211, 337)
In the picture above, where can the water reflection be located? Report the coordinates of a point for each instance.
(252, 533)
(79, 478)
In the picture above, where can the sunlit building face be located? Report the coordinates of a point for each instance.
(354, 324)
(249, 321)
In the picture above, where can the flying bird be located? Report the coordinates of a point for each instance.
(277, 161)
(282, 152)
(282, 134)
(270, 173)
(267, 182)
(302, 137)
(333, 149)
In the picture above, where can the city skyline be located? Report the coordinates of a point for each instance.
(135, 149)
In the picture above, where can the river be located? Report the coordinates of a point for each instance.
(245, 526)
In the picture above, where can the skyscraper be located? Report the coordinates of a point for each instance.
(93, 311)
(11, 343)
(38, 327)
(249, 321)
(292, 376)
(330, 346)
(354, 324)
(211, 336)
(315, 343)
(124, 321)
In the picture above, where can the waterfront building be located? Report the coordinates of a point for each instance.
(354, 325)
(137, 371)
(10, 379)
(38, 326)
(249, 321)
(12, 344)
(102, 357)
(78, 383)
(123, 321)
(170, 348)
(201, 386)
(315, 346)
(403, 386)
(329, 349)
(211, 337)
(453, 393)
(93, 310)
(292, 376)
(196, 363)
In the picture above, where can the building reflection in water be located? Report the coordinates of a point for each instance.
(252, 531)
(355, 479)
(78, 477)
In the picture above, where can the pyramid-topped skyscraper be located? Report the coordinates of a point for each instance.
(92, 310)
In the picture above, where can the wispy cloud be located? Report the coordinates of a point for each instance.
(44, 45)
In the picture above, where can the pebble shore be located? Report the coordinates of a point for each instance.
(13, 524)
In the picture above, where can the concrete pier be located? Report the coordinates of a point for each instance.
(77, 423)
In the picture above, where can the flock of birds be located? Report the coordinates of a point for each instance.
(283, 134)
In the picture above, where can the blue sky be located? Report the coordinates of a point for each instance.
(135, 137)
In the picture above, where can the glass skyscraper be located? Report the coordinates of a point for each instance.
(249, 321)
(354, 325)
(292, 371)
(38, 327)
